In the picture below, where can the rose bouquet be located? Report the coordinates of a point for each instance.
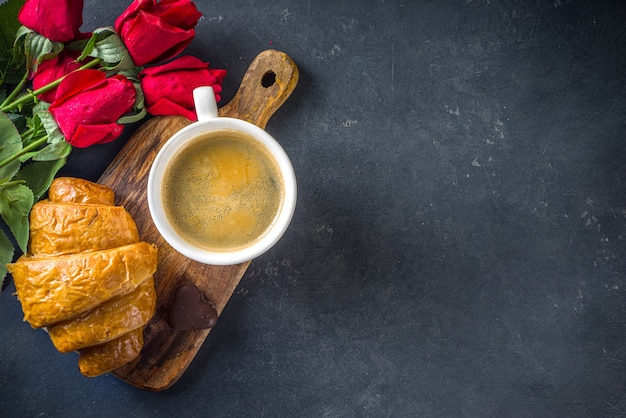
(61, 88)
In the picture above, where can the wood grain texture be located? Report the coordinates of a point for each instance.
(270, 79)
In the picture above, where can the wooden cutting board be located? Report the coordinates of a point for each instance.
(167, 353)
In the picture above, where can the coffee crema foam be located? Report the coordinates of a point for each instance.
(222, 191)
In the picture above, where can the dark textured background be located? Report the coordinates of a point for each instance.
(458, 245)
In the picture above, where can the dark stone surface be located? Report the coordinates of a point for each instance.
(458, 245)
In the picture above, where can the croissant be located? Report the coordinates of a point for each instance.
(86, 277)
(107, 321)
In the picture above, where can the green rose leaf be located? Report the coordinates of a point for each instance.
(86, 47)
(6, 256)
(16, 200)
(40, 106)
(132, 118)
(38, 175)
(10, 144)
(36, 47)
(19, 121)
(53, 151)
(50, 125)
(107, 45)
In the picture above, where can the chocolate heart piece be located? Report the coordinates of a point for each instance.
(190, 310)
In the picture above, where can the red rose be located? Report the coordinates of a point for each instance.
(88, 105)
(154, 31)
(53, 69)
(57, 20)
(168, 88)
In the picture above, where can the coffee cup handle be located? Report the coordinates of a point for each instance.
(204, 101)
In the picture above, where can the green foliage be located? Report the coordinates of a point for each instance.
(53, 151)
(35, 47)
(10, 144)
(16, 200)
(38, 175)
(9, 25)
(107, 45)
(52, 129)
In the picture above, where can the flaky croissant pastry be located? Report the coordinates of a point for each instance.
(86, 277)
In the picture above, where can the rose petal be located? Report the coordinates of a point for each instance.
(177, 13)
(57, 20)
(144, 29)
(87, 135)
(165, 107)
(75, 83)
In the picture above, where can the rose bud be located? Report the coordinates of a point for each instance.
(168, 88)
(88, 105)
(57, 20)
(155, 32)
(53, 69)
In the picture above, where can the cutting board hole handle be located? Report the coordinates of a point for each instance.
(268, 79)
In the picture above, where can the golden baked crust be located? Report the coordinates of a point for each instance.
(75, 190)
(53, 289)
(68, 228)
(103, 358)
(106, 322)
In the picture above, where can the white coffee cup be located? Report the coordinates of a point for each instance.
(208, 120)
